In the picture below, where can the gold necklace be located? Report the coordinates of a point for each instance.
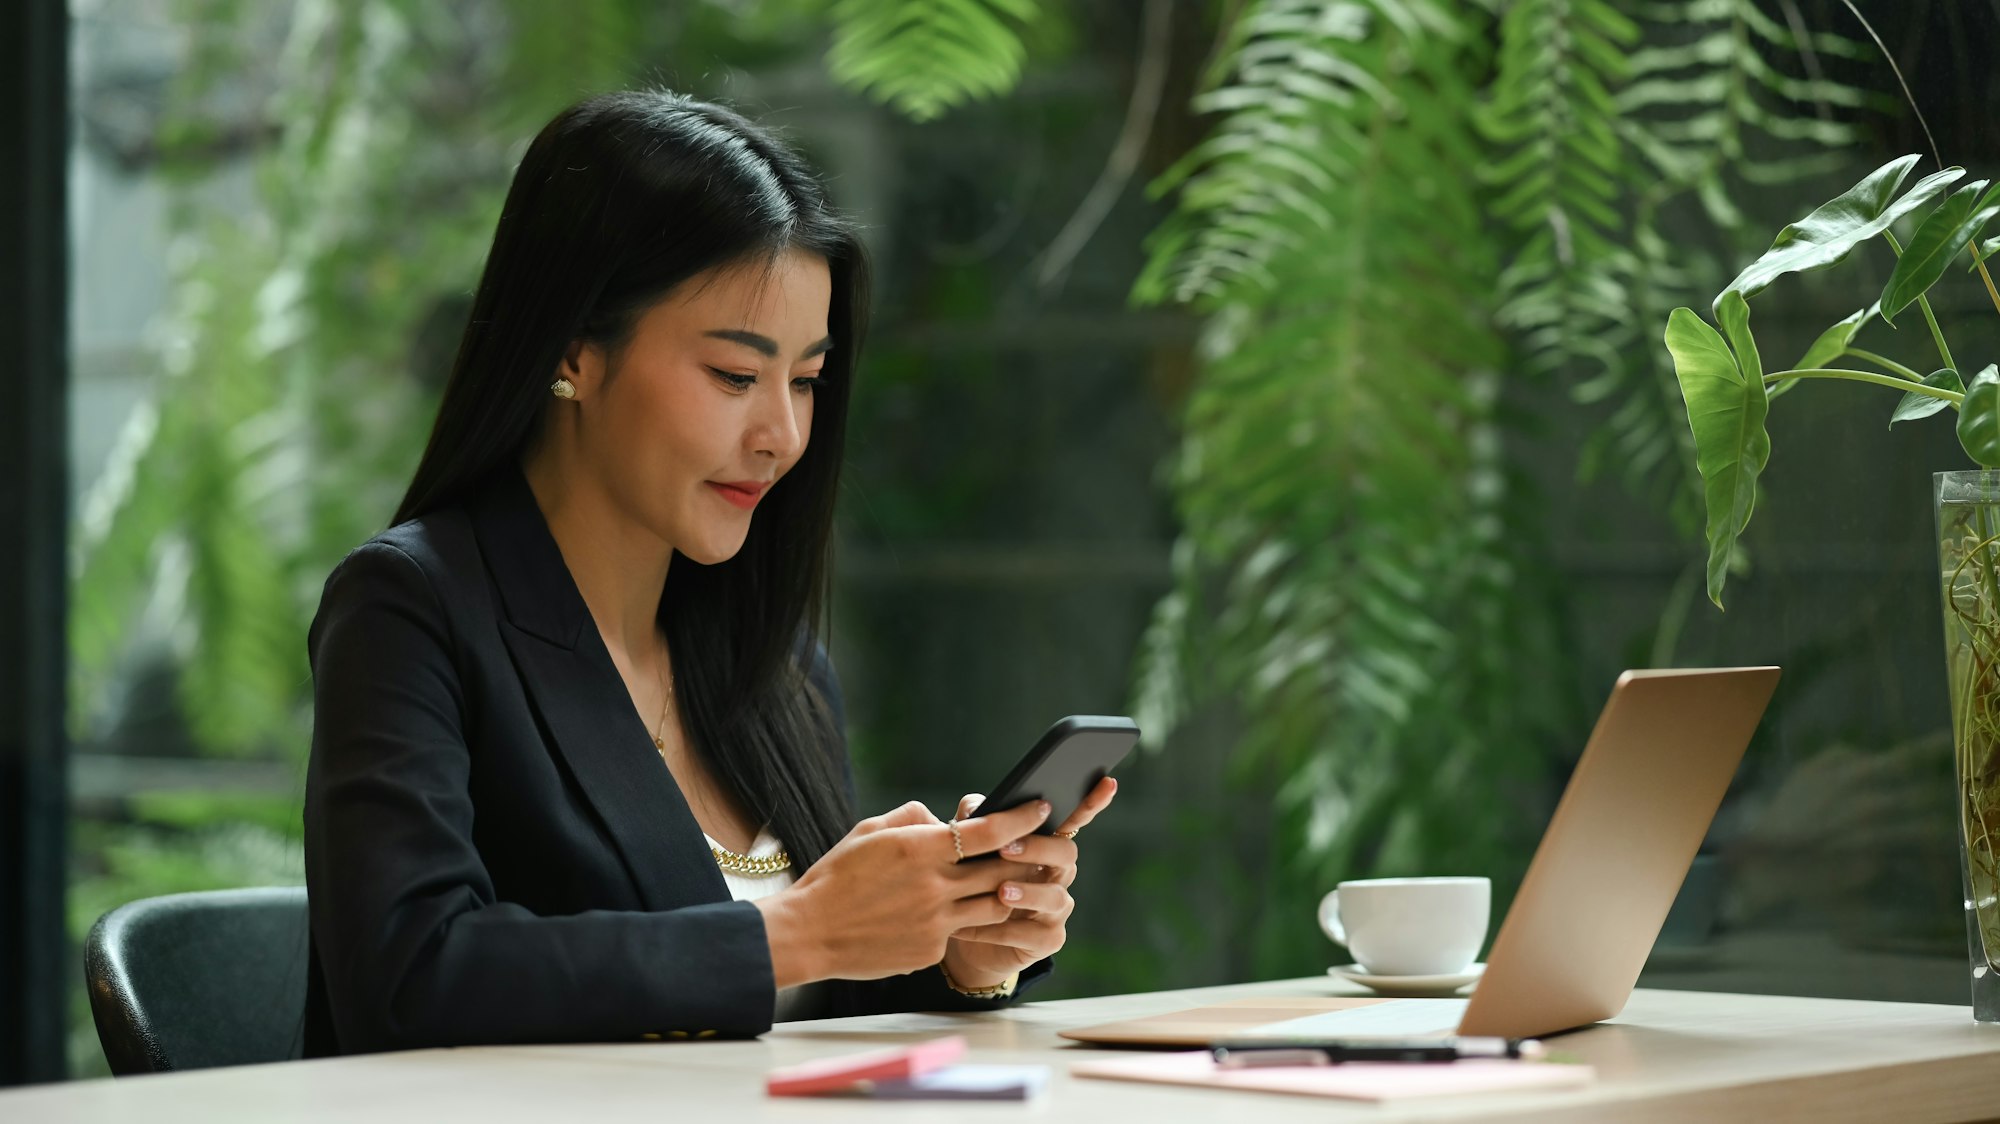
(753, 866)
(666, 699)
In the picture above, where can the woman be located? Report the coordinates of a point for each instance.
(577, 770)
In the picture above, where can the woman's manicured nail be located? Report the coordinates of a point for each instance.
(1013, 848)
(1042, 807)
(1010, 893)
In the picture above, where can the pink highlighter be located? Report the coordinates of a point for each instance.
(829, 1075)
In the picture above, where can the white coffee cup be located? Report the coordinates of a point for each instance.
(1409, 926)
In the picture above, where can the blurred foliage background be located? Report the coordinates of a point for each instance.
(1284, 371)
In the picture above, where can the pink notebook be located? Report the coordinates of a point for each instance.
(1361, 1081)
(826, 1075)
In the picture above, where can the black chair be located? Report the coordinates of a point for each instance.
(189, 981)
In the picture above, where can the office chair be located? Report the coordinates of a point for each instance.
(189, 981)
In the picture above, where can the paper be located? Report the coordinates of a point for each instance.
(1363, 1081)
(1397, 1018)
(968, 1083)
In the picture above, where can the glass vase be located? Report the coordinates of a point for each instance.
(1968, 524)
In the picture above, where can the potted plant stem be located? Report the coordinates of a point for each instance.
(1728, 391)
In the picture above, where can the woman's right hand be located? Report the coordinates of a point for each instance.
(887, 898)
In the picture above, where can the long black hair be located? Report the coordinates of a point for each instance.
(618, 200)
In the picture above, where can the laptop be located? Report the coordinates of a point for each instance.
(1609, 865)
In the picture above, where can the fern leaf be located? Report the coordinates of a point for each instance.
(925, 56)
(1252, 187)
(1640, 127)
(1338, 483)
(1551, 104)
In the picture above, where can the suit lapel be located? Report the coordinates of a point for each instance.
(575, 687)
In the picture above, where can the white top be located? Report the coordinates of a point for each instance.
(803, 1001)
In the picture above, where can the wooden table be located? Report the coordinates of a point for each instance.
(1672, 1055)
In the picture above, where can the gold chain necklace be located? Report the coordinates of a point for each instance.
(666, 699)
(753, 866)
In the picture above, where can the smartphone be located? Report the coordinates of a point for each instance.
(1062, 768)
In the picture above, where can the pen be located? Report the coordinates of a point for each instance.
(1277, 1051)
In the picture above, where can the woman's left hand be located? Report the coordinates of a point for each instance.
(987, 954)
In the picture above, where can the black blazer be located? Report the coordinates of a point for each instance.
(494, 850)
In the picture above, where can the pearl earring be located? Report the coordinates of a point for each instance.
(563, 388)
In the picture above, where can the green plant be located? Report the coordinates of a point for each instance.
(1387, 215)
(1722, 375)
(1343, 578)
(1728, 391)
(1358, 565)
(926, 56)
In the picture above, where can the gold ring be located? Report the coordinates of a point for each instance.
(957, 844)
(1070, 834)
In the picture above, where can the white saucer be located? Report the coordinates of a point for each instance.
(1406, 986)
